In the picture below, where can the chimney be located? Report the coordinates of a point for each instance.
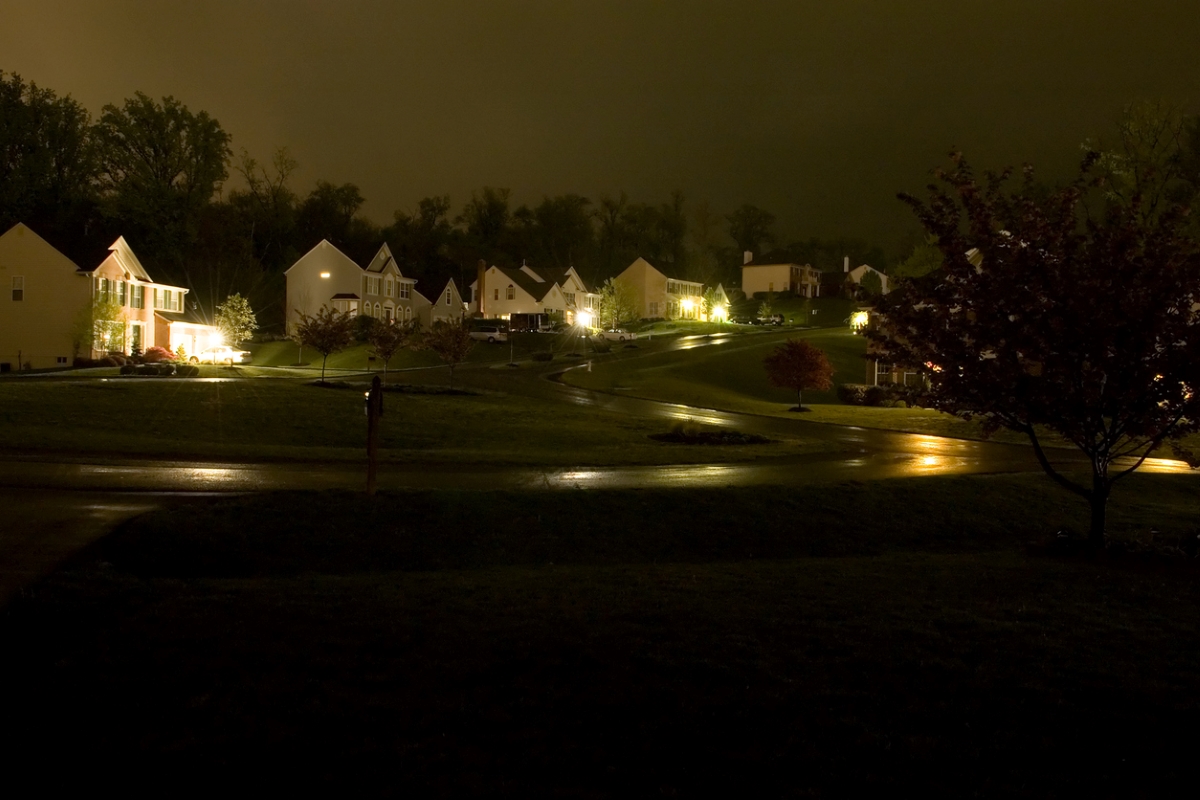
(846, 264)
(747, 257)
(479, 285)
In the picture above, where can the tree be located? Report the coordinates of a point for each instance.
(709, 302)
(797, 364)
(750, 227)
(387, 338)
(924, 259)
(327, 331)
(235, 319)
(161, 165)
(1044, 317)
(767, 307)
(487, 218)
(618, 303)
(871, 284)
(99, 326)
(450, 342)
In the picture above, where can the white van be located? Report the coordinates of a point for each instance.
(489, 333)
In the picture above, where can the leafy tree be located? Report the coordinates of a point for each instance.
(618, 303)
(235, 319)
(450, 342)
(871, 284)
(162, 164)
(98, 326)
(329, 213)
(750, 227)
(268, 208)
(327, 331)
(924, 259)
(387, 338)
(47, 159)
(767, 307)
(709, 302)
(1043, 317)
(797, 364)
(487, 217)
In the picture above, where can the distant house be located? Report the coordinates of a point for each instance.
(448, 306)
(48, 297)
(325, 276)
(773, 275)
(660, 296)
(857, 274)
(508, 293)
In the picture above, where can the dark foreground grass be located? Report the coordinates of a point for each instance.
(820, 642)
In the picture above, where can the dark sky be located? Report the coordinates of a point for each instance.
(817, 111)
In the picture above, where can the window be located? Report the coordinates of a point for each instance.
(447, 297)
(495, 294)
(771, 286)
(137, 296)
(60, 359)
(654, 309)
(121, 293)
(407, 313)
(168, 300)
(157, 301)
(388, 311)
(570, 298)
(18, 288)
(372, 285)
(404, 291)
(377, 312)
(388, 289)
(510, 292)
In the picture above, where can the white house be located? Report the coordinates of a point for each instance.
(324, 276)
(448, 307)
(501, 292)
(857, 274)
(772, 275)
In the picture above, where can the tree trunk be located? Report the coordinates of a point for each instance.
(799, 404)
(323, 367)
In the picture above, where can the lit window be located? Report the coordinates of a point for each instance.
(324, 274)
(18, 288)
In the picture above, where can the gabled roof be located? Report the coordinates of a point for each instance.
(323, 249)
(125, 258)
(536, 289)
(775, 259)
(382, 259)
(662, 267)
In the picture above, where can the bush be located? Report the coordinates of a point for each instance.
(876, 395)
(145, 369)
(154, 355)
(112, 361)
(127, 369)
(543, 356)
(853, 394)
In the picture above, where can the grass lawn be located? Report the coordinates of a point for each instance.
(738, 643)
(290, 419)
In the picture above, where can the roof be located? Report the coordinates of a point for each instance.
(345, 296)
(381, 260)
(521, 277)
(124, 255)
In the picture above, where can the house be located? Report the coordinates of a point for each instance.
(512, 294)
(857, 274)
(772, 275)
(325, 276)
(662, 297)
(47, 303)
(449, 305)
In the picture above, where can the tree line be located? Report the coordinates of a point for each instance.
(155, 172)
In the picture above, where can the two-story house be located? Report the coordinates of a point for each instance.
(660, 296)
(45, 311)
(771, 275)
(525, 292)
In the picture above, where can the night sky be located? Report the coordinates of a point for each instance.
(819, 112)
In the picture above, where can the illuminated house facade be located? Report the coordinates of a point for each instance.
(769, 276)
(447, 306)
(506, 292)
(46, 295)
(325, 276)
(662, 297)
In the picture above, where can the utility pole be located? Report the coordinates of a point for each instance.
(374, 414)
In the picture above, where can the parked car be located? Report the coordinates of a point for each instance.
(221, 355)
(618, 335)
(489, 333)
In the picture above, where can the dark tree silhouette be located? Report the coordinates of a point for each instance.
(327, 331)
(1043, 317)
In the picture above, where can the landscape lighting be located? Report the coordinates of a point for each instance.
(584, 318)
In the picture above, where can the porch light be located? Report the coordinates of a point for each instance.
(687, 305)
(324, 274)
(584, 318)
(858, 320)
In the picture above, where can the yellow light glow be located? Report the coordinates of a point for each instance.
(324, 274)
(687, 305)
(584, 318)
(859, 319)
(719, 312)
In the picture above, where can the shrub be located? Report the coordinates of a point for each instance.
(127, 369)
(854, 394)
(547, 356)
(876, 395)
(112, 361)
(145, 369)
(154, 355)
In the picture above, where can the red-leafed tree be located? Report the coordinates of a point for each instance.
(798, 365)
(1047, 314)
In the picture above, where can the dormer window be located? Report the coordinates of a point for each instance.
(510, 292)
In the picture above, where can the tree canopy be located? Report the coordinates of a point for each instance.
(235, 319)
(798, 364)
(450, 341)
(327, 331)
(1046, 317)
